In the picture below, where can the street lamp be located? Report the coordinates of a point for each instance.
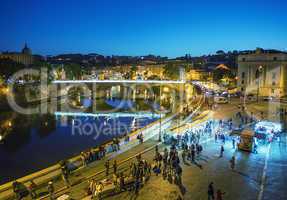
(159, 134)
(257, 75)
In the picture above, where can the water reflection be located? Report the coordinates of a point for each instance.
(33, 142)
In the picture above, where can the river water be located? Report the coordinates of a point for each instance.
(32, 142)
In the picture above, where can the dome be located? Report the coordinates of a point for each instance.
(26, 50)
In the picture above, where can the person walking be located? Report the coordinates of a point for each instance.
(221, 151)
(165, 156)
(255, 148)
(122, 182)
(92, 188)
(32, 190)
(115, 166)
(232, 162)
(107, 166)
(51, 190)
(65, 174)
(183, 155)
(210, 191)
(83, 158)
(99, 190)
(137, 186)
(219, 195)
(223, 138)
(16, 189)
(233, 143)
(179, 174)
(192, 154)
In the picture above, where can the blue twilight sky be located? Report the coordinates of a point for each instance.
(137, 27)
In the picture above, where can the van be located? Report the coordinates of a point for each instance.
(246, 140)
(220, 100)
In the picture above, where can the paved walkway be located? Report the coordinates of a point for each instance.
(256, 176)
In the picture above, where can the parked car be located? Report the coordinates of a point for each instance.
(251, 97)
(220, 100)
(267, 98)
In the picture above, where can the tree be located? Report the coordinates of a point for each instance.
(153, 77)
(221, 73)
(220, 52)
(171, 71)
(9, 67)
(73, 70)
(133, 71)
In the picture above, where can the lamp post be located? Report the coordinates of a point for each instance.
(258, 71)
(159, 134)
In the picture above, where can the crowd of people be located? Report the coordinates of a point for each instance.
(166, 163)
(99, 153)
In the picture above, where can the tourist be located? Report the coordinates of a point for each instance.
(223, 138)
(165, 156)
(156, 149)
(156, 169)
(16, 189)
(92, 188)
(200, 148)
(178, 174)
(127, 138)
(219, 194)
(32, 190)
(232, 162)
(83, 158)
(221, 151)
(99, 190)
(65, 174)
(210, 191)
(183, 155)
(122, 182)
(107, 166)
(115, 179)
(255, 148)
(192, 154)
(137, 186)
(140, 138)
(189, 154)
(115, 166)
(101, 152)
(197, 148)
(114, 145)
(51, 190)
(118, 144)
(233, 143)
(134, 170)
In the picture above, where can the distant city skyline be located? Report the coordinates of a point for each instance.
(135, 28)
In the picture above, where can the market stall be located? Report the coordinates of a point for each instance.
(267, 130)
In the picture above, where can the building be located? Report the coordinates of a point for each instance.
(198, 75)
(263, 72)
(24, 57)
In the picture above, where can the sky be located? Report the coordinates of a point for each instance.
(137, 27)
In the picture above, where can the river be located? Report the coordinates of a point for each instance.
(32, 142)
